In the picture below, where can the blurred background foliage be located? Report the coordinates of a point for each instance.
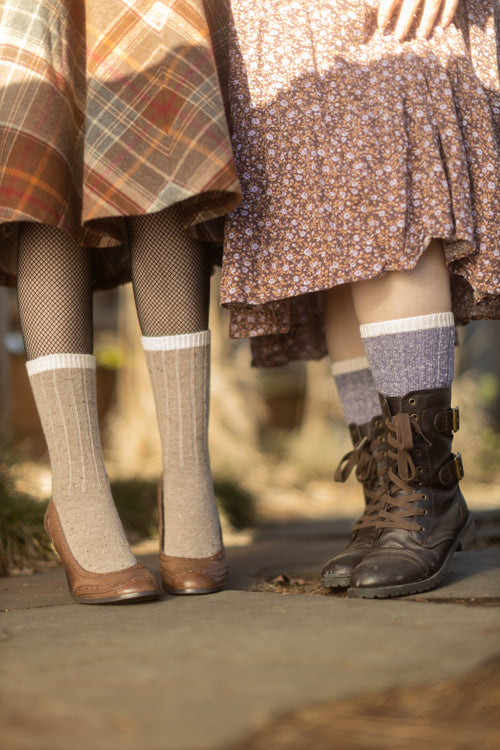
(276, 435)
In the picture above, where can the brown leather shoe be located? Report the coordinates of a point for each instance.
(132, 584)
(370, 459)
(190, 575)
(204, 575)
(424, 518)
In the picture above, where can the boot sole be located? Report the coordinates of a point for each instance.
(330, 581)
(463, 539)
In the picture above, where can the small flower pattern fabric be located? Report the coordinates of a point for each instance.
(353, 151)
(110, 108)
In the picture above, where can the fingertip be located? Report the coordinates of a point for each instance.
(381, 22)
(399, 33)
(423, 32)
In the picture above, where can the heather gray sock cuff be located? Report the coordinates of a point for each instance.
(356, 389)
(411, 354)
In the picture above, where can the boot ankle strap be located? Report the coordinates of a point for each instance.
(452, 471)
(447, 421)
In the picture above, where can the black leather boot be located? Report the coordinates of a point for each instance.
(424, 518)
(369, 458)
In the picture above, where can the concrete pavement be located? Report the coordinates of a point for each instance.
(201, 673)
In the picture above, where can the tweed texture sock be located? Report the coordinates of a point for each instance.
(356, 390)
(411, 354)
(64, 388)
(179, 367)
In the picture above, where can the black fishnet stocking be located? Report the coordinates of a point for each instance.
(54, 292)
(170, 274)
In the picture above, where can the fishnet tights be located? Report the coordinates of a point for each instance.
(170, 274)
(54, 292)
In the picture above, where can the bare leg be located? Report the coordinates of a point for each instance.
(407, 326)
(408, 333)
(350, 369)
(343, 339)
(423, 290)
(361, 407)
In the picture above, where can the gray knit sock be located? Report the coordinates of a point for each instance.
(356, 390)
(64, 388)
(179, 367)
(411, 354)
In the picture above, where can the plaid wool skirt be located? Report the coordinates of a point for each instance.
(107, 110)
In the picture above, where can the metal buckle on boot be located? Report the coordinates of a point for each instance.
(459, 466)
(447, 421)
(453, 471)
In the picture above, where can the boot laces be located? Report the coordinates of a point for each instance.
(364, 458)
(398, 498)
(370, 471)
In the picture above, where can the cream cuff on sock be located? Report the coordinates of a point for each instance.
(403, 325)
(171, 343)
(60, 362)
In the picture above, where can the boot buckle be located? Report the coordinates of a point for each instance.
(459, 467)
(447, 421)
(452, 471)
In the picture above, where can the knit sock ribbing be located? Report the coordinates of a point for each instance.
(411, 354)
(64, 388)
(356, 390)
(179, 367)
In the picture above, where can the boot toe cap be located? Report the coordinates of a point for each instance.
(338, 571)
(388, 570)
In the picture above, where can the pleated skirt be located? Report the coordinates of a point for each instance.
(107, 110)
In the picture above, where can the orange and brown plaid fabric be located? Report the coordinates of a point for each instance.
(110, 109)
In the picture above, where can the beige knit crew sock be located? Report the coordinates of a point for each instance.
(179, 367)
(64, 388)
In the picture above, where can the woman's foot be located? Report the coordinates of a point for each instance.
(132, 584)
(193, 576)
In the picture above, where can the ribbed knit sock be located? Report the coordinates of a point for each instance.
(356, 390)
(411, 354)
(64, 388)
(179, 367)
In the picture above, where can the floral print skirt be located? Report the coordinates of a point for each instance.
(110, 109)
(353, 152)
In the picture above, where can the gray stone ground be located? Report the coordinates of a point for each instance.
(201, 673)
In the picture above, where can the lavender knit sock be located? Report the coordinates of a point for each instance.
(411, 354)
(356, 390)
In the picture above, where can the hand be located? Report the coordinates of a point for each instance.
(434, 13)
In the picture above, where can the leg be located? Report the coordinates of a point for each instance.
(55, 309)
(171, 281)
(350, 369)
(361, 406)
(407, 326)
(408, 333)
(423, 290)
